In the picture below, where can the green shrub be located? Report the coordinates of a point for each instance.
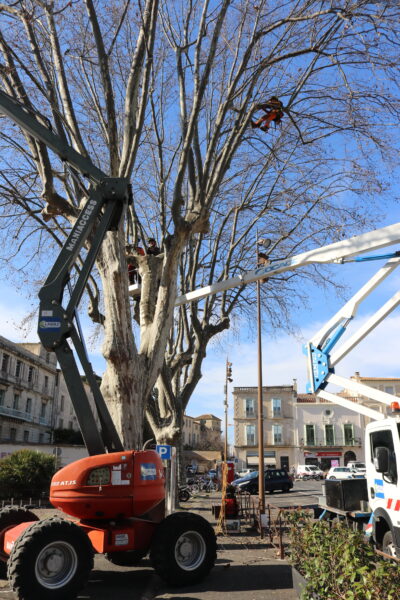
(25, 473)
(338, 564)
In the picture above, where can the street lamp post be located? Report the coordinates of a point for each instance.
(260, 411)
(228, 378)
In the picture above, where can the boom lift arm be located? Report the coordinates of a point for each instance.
(108, 198)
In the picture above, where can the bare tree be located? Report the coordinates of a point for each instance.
(165, 93)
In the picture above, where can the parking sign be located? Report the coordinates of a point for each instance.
(164, 450)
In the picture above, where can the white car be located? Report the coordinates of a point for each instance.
(309, 472)
(358, 467)
(340, 473)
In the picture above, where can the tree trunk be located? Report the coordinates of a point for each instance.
(124, 379)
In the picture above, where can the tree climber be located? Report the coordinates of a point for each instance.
(273, 113)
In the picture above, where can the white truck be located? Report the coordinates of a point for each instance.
(380, 503)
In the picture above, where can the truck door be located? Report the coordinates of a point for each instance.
(383, 488)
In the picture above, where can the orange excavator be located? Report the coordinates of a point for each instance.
(114, 498)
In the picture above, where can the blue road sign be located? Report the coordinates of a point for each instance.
(164, 450)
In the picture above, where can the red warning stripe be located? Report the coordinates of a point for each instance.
(397, 507)
(389, 502)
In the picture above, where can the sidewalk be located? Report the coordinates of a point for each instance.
(247, 567)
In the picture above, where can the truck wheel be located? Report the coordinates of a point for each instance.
(129, 558)
(184, 548)
(388, 544)
(51, 560)
(11, 516)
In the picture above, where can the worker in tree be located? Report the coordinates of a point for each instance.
(273, 113)
(152, 247)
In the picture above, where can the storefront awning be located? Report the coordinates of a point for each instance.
(252, 461)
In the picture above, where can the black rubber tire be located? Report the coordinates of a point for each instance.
(12, 515)
(28, 558)
(388, 545)
(286, 489)
(167, 540)
(130, 558)
(183, 495)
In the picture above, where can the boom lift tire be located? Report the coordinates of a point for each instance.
(11, 516)
(184, 548)
(51, 560)
(130, 558)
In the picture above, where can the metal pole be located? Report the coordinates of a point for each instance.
(260, 420)
(226, 413)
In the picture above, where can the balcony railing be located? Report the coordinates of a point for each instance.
(18, 414)
(338, 441)
(23, 416)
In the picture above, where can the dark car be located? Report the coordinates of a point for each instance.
(275, 479)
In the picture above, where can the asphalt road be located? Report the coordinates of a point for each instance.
(246, 568)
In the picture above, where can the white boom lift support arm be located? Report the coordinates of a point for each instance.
(321, 363)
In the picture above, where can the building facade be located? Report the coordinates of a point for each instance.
(190, 432)
(28, 380)
(328, 434)
(34, 400)
(279, 430)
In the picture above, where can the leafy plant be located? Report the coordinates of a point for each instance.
(25, 473)
(337, 563)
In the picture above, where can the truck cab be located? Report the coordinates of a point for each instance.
(382, 450)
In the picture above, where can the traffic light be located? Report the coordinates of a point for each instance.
(229, 371)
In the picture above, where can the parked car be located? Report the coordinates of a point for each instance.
(246, 472)
(340, 473)
(357, 467)
(275, 479)
(309, 472)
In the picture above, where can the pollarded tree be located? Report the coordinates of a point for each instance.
(312, 181)
(170, 106)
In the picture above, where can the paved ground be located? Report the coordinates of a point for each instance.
(247, 568)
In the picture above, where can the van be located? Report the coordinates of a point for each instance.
(306, 471)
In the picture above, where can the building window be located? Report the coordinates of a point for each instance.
(60, 423)
(329, 435)
(310, 435)
(46, 382)
(5, 362)
(28, 406)
(249, 407)
(41, 438)
(389, 389)
(47, 357)
(277, 434)
(31, 372)
(18, 369)
(348, 434)
(250, 435)
(62, 403)
(16, 402)
(13, 434)
(26, 435)
(43, 410)
(276, 407)
(70, 427)
(2, 394)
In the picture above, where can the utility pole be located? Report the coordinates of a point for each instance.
(228, 379)
(260, 411)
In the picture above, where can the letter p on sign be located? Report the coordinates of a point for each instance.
(164, 451)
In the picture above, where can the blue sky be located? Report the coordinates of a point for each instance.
(283, 359)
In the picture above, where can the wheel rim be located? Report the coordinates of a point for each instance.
(190, 550)
(389, 548)
(56, 565)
